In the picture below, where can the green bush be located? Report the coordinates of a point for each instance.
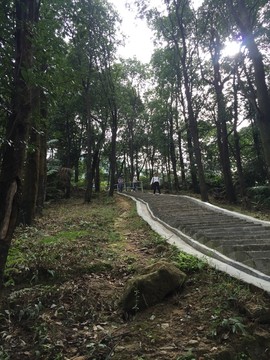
(189, 263)
(263, 191)
(260, 195)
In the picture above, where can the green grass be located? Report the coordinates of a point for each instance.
(188, 263)
(64, 277)
(64, 236)
(69, 239)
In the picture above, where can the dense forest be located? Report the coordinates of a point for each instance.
(71, 108)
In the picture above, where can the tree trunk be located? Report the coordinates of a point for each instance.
(258, 148)
(17, 129)
(181, 157)
(191, 116)
(250, 94)
(222, 133)
(113, 150)
(190, 150)
(42, 174)
(32, 166)
(236, 136)
(89, 173)
(181, 160)
(43, 154)
(97, 171)
(90, 142)
(245, 23)
(263, 101)
(172, 152)
(31, 179)
(223, 144)
(131, 145)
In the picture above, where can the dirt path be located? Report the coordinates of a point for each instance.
(75, 315)
(186, 325)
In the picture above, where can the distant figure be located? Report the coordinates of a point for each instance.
(120, 183)
(155, 183)
(134, 183)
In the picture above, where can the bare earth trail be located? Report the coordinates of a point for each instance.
(187, 325)
(214, 317)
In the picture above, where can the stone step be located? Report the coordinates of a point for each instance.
(208, 220)
(262, 264)
(211, 216)
(224, 247)
(256, 248)
(259, 254)
(225, 236)
(214, 223)
(223, 230)
(256, 259)
(232, 242)
(244, 240)
(216, 226)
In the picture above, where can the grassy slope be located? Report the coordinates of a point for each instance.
(66, 274)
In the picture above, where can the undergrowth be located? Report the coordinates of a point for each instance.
(65, 274)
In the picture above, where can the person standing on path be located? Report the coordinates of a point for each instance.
(120, 183)
(155, 183)
(134, 183)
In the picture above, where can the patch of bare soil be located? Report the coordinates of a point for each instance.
(75, 315)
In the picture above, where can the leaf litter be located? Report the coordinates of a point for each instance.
(62, 301)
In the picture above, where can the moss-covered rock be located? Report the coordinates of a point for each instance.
(151, 287)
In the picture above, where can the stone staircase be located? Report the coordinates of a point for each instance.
(244, 240)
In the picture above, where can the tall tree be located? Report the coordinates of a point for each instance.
(48, 49)
(246, 15)
(180, 18)
(18, 126)
(94, 39)
(215, 32)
